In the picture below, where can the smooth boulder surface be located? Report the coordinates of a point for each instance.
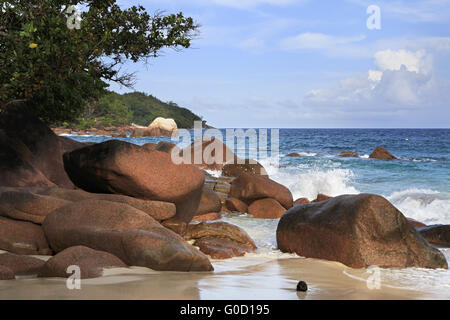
(19, 122)
(16, 168)
(237, 205)
(22, 237)
(162, 127)
(382, 154)
(248, 166)
(208, 153)
(34, 204)
(220, 240)
(266, 209)
(249, 188)
(24, 205)
(69, 145)
(166, 147)
(126, 232)
(209, 202)
(358, 231)
(91, 263)
(123, 168)
(436, 234)
(20, 264)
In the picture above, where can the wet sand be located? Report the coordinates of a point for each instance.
(250, 277)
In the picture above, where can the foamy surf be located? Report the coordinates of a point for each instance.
(427, 206)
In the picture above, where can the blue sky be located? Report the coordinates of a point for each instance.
(307, 64)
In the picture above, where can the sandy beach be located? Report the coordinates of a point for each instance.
(252, 277)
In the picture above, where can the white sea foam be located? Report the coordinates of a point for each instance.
(310, 182)
(427, 206)
(214, 173)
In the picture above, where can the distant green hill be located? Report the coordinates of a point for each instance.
(136, 107)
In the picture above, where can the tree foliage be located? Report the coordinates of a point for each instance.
(59, 70)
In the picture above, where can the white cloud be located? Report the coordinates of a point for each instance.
(419, 61)
(311, 40)
(404, 80)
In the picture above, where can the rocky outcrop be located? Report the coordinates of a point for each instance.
(20, 264)
(249, 166)
(382, 154)
(162, 127)
(438, 234)
(266, 209)
(39, 147)
(249, 188)
(22, 237)
(358, 231)
(123, 168)
(34, 204)
(129, 234)
(91, 263)
(208, 153)
(220, 240)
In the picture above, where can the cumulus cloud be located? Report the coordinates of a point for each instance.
(403, 79)
(419, 61)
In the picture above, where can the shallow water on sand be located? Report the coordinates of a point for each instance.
(251, 277)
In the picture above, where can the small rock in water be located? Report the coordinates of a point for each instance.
(294, 154)
(302, 286)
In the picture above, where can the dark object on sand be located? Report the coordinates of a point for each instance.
(302, 286)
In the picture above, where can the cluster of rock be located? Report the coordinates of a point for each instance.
(112, 204)
(116, 204)
(379, 153)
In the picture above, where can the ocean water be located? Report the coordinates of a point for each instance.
(418, 184)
